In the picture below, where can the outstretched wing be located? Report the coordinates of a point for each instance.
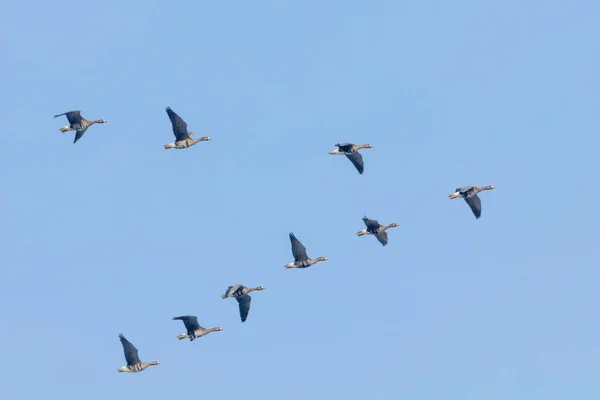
(356, 160)
(190, 322)
(131, 353)
(231, 289)
(344, 147)
(78, 135)
(382, 237)
(74, 117)
(298, 249)
(464, 190)
(371, 224)
(475, 204)
(179, 126)
(244, 305)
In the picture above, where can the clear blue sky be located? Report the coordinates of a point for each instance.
(115, 234)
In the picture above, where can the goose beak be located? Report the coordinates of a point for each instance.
(334, 152)
(454, 195)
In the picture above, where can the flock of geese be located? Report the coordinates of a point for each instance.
(183, 140)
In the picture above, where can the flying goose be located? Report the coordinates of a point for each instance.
(301, 260)
(375, 228)
(78, 124)
(131, 356)
(183, 137)
(240, 292)
(194, 330)
(351, 152)
(469, 193)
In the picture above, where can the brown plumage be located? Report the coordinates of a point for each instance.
(183, 137)
(301, 259)
(375, 228)
(131, 357)
(194, 330)
(469, 193)
(78, 124)
(240, 293)
(351, 152)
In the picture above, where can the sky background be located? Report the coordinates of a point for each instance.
(117, 235)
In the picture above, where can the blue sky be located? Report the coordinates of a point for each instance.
(115, 234)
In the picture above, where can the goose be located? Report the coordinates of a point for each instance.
(240, 292)
(77, 123)
(375, 228)
(194, 330)
(469, 193)
(183, 137)
(351, 152)
(301, 260)
(131, 356)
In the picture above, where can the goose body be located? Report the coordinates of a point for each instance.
(131, 356)
(194, 330)
(375, 228)
(301, 259)
(240, 293)
(78, 124)
(351, 152)
(183, 137)
(469, 193)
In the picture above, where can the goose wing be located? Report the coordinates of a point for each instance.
(190, 322)
(298, 249)
(74, 117)
(371, 224)
(131, 353)
(78, 135)
(474, 203)
(356, 158)
(464, 190)
(344, 147)
(232, 289)
(382, 237)
(244, 305)
(179, 126)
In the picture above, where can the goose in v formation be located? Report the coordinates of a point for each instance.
(240, 293)
(469, 193)
(375, 228)
(351, 152)
(194, 330)
(183, 137)
(301, 260)
(77, 123)
(131, 357)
